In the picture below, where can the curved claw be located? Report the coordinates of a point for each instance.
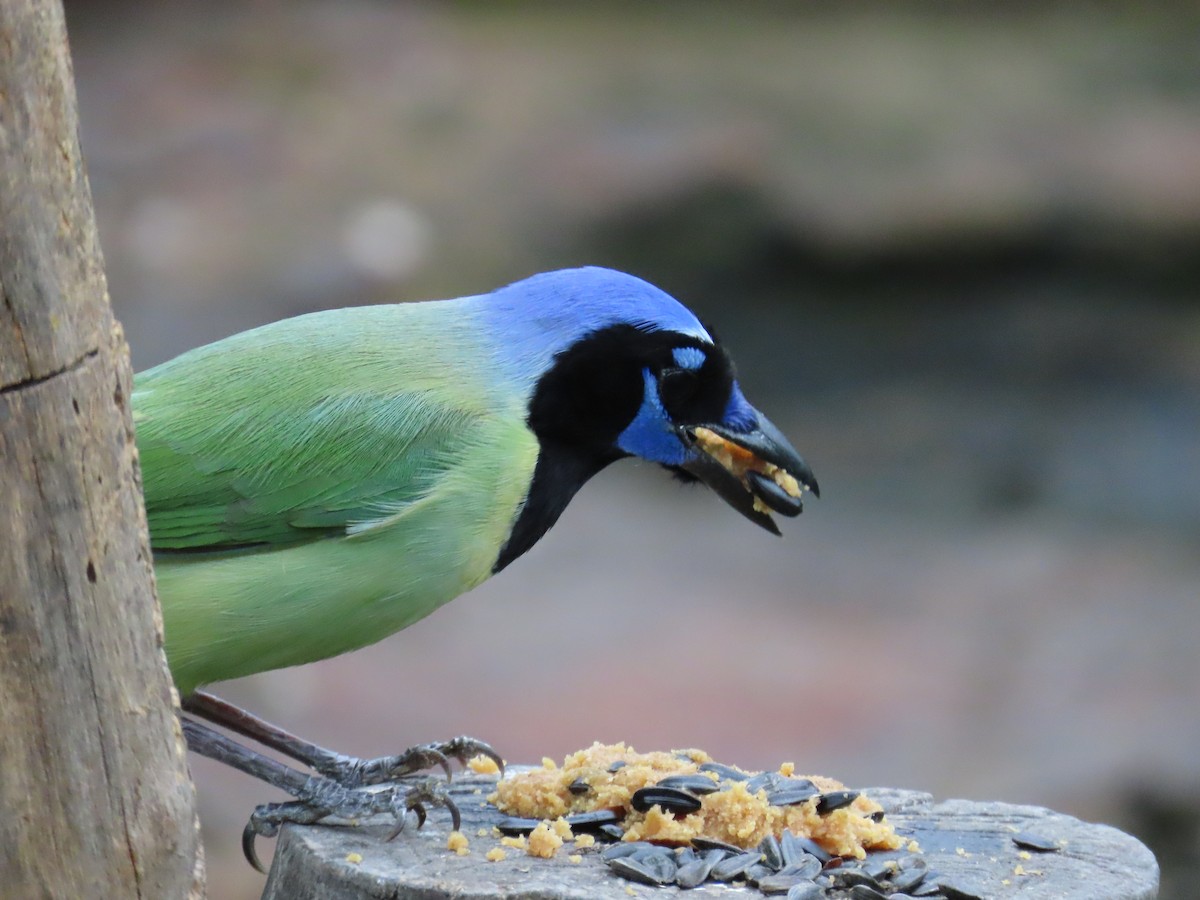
(415, 800)
(465, 748)
(249, 833)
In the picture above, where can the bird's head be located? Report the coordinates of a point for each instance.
(620, 368)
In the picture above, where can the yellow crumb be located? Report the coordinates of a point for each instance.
(1018, 870)
(913, 847)
(355, 858)
(961, 852)
(457, 841)
(495, 855)
(563, 829)
(482, 832)
(1025, 854)
(575, 858)
(787, 769)
(548, 763)
(483, 765)
(584, 840)
(517, 843)
(543, 841)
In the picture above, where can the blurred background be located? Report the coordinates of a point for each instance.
(953, 249)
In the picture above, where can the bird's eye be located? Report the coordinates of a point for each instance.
(677, 387)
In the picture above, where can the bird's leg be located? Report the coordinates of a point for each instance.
(348, 771)
(317, 797)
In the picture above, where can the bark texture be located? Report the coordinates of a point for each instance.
(95, 797)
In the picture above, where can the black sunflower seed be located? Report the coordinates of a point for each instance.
(807, 866)
(1030, 841)
(662, 864)
(805, 890)
(930, 887)
(847, 878)
(610, 832)
(794, 845)
(771, 852)
(511, 825)
(694, 873)
(592, 820)
(635, 871)
(877, 816)
(880, 869)
(865, 892)
(619, 764)
(618, 851)
(725, 773)
(696, 784)
(791, 793)
(757, 872)
(834, 800)
(669, 799)
(762, 780)
(646, 850)
(733, 866)
(704, 843)
(907, 880)
(579, 786)
(780, 883)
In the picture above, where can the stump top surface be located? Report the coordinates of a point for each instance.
(968, 842)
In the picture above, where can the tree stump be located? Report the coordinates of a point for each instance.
(969, 843)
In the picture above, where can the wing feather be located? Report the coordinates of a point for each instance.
(265, 442)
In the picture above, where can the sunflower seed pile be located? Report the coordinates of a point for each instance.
(789, 866)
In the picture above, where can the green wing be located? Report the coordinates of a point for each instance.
(277, 437)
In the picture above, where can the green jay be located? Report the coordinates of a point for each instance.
(319, 483)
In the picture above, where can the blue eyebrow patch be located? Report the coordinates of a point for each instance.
(688, 357)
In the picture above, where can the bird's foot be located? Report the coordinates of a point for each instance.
(352, 772)
(322, 798)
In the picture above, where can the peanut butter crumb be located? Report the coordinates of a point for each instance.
(483, 765)
(543, 841)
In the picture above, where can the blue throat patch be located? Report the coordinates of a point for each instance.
(650, 435)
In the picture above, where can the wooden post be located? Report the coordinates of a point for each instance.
(95, 798)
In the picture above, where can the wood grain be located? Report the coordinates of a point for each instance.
(95, 797)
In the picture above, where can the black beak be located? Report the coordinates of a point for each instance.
(757, 472)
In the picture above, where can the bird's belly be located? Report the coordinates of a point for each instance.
(232, 615)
